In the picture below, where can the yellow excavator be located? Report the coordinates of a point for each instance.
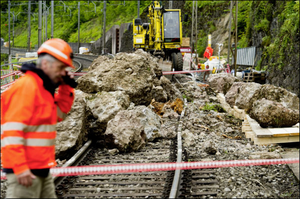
(162, 36)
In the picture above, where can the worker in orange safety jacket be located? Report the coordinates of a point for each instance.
(30, 110)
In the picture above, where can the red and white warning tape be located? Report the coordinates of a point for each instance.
(149, 167)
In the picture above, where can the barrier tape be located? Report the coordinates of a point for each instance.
(150, 167)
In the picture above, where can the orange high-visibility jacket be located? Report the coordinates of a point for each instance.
(29, 114)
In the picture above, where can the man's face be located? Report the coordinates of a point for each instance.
(55, 70)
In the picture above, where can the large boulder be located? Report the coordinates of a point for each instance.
(247, 91)
(130, 129)
(171, 90)
(102, 107)
(270, 113)
(71, 132)
(233, 92)
(221, 82)
(277, 94)
(132, 73)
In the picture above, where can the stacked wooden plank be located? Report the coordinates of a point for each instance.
(262, 136)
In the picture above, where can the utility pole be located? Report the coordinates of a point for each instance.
(236, 30)
(78, 45)
(40, 24)
(170, 4)
(13, 43)
(46, 22)
(9, 52)
(192, 36)
(138, 9)
(52, 22)
(229, 33)
(104, 24)
(29, 30)
(196, 33)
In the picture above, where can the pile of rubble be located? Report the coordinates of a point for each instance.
(113, 104)
(269, 105)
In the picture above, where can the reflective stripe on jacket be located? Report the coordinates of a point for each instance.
(29, 114)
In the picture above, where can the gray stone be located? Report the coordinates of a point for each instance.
(233, 92)
(71, 132)
(270, 113)
(221, 82)
(130, 129)
(209, 147)
(247, 90)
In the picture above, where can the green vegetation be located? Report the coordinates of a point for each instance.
(214, 107)
(66, 26)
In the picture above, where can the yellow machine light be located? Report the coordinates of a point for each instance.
(138, 40)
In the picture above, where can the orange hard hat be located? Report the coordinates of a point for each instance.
(59, 49)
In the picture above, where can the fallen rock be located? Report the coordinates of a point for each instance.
(97, 62)
(189, 138)
(264, 155)
(221, 82)
(168, 128)
(171, 90)
(71, 132)
(132, 73)
(277, 94)
(233, 92)
(130, 129)
(113, 151)
(102, 107)
(247, 90)
(169, 109)
(159, 94)
(209, 147)
(270, 113)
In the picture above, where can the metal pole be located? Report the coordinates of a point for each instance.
(29, 31)
(52, 22)
(40, 24)
(138, 9)
(229, 33)
(104, 24)
(78, 45)
(196, 33)
(46, 23)
(9, 52)
(170, 4)
(13, 43)
(192, 36)
(235, 55)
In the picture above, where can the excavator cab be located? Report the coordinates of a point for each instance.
(171, 26)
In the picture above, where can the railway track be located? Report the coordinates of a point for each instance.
(148, 184)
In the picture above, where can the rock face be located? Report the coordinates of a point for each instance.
(71, 132)
(221, 82)
(102, 107)
(277, 94)
(130, 129)
(132, 73)
(243, 100)
(270, 113)
(233, 92)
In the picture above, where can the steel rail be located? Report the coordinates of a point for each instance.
(74, 160)
(174, 193)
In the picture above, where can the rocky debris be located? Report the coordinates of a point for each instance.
(168, 127)
(130, 129)
(113, 151)
(169, 109)
(264, 155)
(270, 113)
(132, 73)
(221, 82)
(188, 137)
(209, 147)
(170, 89)
(97, 62)
(233, 92)
(102, 107)
(71, 132)
(277, 94)
(247, 91)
